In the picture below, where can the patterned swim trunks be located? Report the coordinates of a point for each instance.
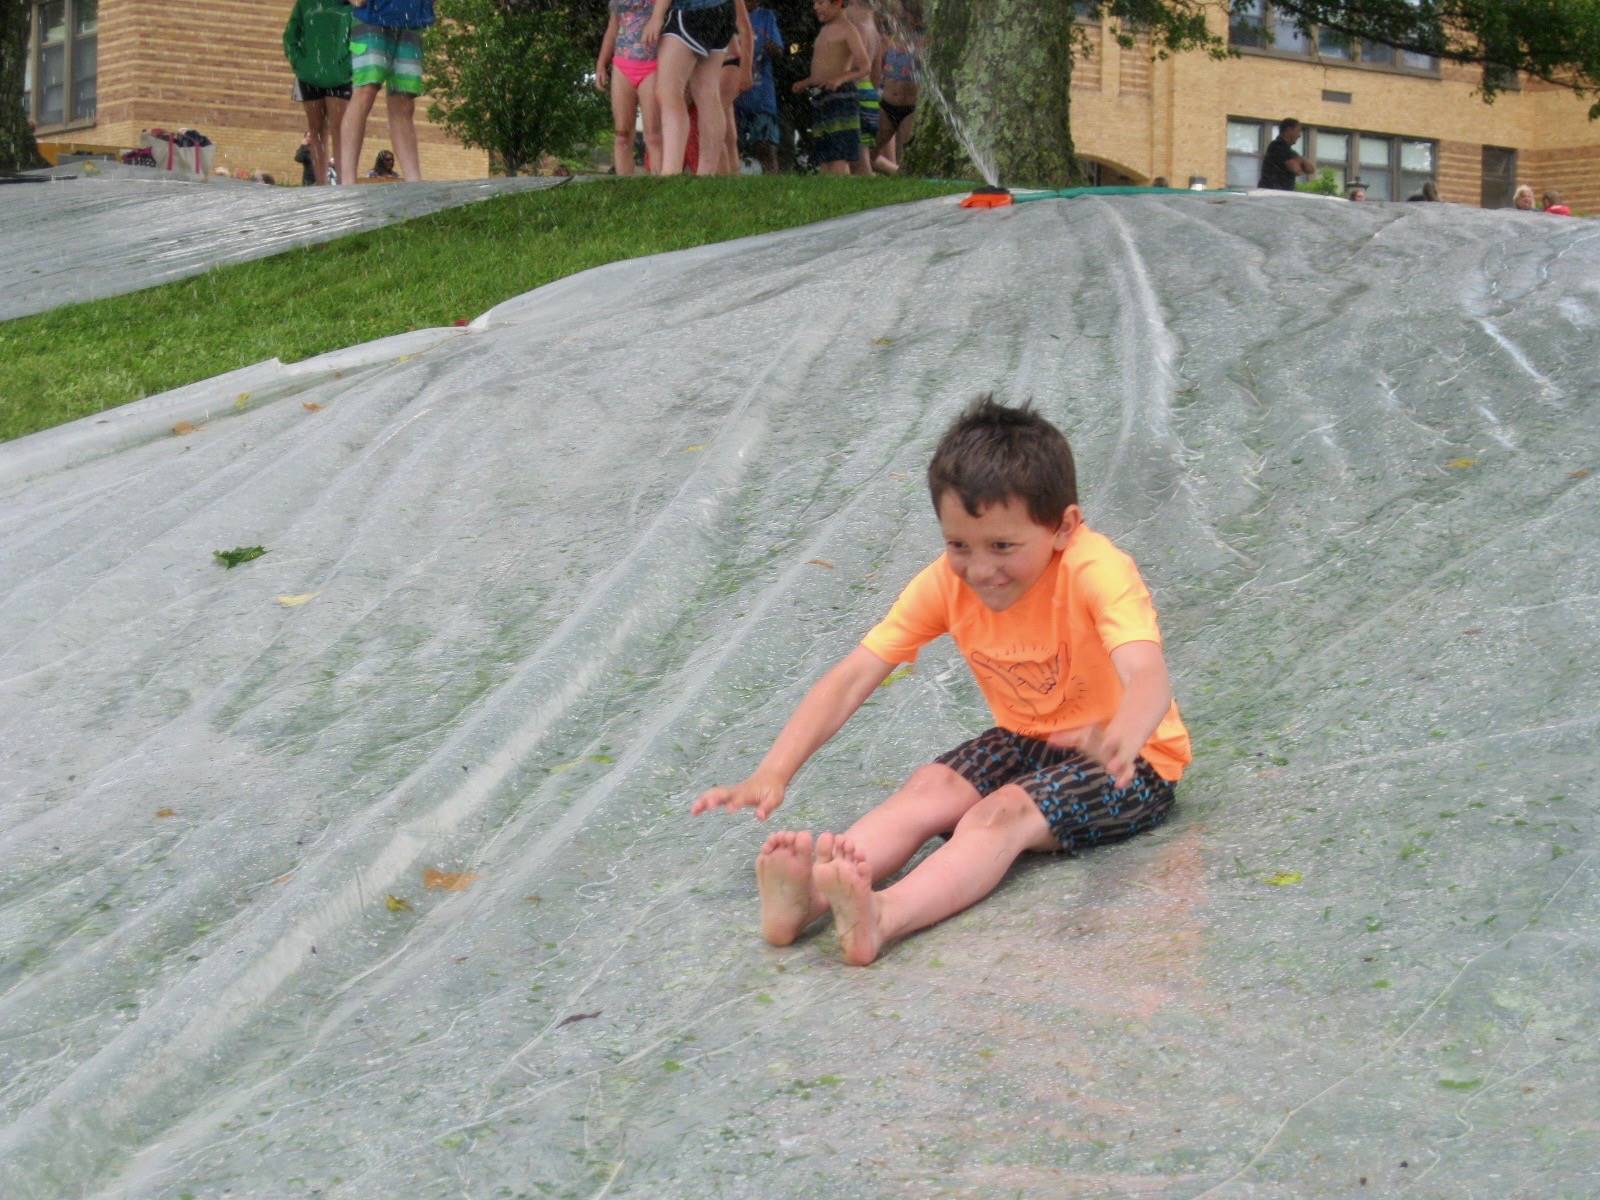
(836, 126)
(868, 97)
(380, 55)
(1083, 806)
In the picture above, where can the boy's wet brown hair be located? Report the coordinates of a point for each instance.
(992, 453)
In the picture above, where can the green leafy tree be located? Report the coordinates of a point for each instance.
(18, 151)
(512, 77)
(987, 58)
(1326, 183)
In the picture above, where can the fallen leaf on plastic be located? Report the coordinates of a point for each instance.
(284, 878)
(695, 449)
(895, 676)
(578, 1017)
(1284, 878)
(165, 812)
(297, 601)
(405, 358)
(244, 398)
(819, 562)
(883, 341)
(397, 904)
(447, 881)
(239, 554)
(1461, 464)
(184, 427)
(1580, 473)
(533, 899)
(310, 406)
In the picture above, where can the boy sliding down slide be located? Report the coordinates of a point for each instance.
(1059, 631)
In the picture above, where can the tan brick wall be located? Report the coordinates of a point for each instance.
(1172, 120)
(1136, 61)
(1087, 64)
(218, 65)
(1460, 172)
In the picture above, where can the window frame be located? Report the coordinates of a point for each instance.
(71, 119)
(1313, 52)
(1351, 168)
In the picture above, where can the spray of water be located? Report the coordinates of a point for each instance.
(898, 19)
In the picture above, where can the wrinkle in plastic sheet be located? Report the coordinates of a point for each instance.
(81, 238)
(571, 566)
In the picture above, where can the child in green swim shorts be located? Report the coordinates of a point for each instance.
(386, 49)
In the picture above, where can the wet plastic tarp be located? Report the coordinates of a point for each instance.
(83, 237)
(364, 868)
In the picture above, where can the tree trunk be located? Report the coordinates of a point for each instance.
(18, 152)
(1004, 68)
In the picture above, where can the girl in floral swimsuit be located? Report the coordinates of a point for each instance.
(897, 103)
(631, 68)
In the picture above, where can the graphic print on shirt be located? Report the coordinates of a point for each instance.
(1033, 683)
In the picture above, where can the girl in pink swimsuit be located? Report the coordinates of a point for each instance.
(628, 67)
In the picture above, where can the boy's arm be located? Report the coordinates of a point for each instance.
(827, 706)
(1146, 697)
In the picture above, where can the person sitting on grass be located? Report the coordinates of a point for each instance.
(1061, 635)
(838, 59)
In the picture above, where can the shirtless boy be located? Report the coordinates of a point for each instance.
(1061, 635)
(861, 16)
(838, 59)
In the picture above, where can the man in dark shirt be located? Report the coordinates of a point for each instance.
(1282, 164)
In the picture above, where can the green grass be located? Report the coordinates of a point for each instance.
(84, 358)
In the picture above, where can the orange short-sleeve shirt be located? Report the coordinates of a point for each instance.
(1044, 664)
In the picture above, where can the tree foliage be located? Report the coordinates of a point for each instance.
(18, 152)
(512, 77)
(1553, 40)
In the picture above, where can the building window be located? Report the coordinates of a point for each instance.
(60, 75)
(1256, 25)
(1390, 168)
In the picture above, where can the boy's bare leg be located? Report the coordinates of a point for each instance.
(789, 900)
(355, 130)
(966, 869)
(931, 802)
(403, 134)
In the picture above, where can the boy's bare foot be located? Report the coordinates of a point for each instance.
(783, 876)
(842, 876)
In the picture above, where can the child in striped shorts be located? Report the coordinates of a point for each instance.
(385, 51)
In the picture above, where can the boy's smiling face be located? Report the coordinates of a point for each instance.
(1001, 552)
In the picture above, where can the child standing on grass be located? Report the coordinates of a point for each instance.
(1059, 631)
(386, 50)
(690, 38)
(838, 59)
(628, 67)
(316, 41)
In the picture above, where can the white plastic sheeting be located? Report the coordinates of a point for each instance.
(571, 565)
(84, 237)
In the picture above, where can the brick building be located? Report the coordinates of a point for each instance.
(1388, 118)
(101, 71)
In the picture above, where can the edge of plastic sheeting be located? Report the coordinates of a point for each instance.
(230, 394)
(549, 302)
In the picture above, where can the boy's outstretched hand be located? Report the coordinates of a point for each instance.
(1109, 747)
(762, 794)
